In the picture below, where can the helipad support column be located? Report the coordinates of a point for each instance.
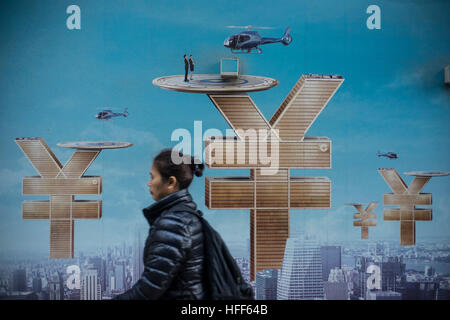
(62, 183)
(268, 197)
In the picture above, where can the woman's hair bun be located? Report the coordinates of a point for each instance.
(198, 169)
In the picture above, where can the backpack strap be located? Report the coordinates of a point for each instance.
(224, 276)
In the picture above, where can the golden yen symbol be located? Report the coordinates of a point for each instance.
(407, 198)
(364, 216)
(62, 183)
(270, 197)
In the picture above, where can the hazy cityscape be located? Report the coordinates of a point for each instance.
(311, 270)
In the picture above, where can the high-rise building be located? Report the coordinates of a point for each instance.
(128, 280)
(331, 258)
(56, 287)
(97, 263)
(420, 290)
(119, 277)
(376, 249)
(300, 276)
(391, 271)
(444, 290)
(138, 262)
(109, 271)
(112, 282)
(336, 288)
(387, 251)
(379, 249)
(90, 287)
(266, 284)
(351, 277)
(361, 265)
(19, 280)
(123, 250)
(37, 284)
(429, 271)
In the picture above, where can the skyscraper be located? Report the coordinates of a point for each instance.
(361, 264)
(420, 290)
(266, 284)
(429, 271)
(392, 268)
(119, 277)
(37, 284)
(300, 276)
(56, 287)
(336, 288)
(123, 250)
(331, 258)
(19, 280)
(90, 287)
(97, 263)
(376, 248)
(138, 263)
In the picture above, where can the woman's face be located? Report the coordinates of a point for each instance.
(158, 187)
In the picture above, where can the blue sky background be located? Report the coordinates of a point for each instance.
(53, 81)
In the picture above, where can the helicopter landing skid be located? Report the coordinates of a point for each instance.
(248, 51)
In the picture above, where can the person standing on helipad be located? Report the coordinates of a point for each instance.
(191, 65)
(186, 69)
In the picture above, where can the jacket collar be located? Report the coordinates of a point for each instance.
(153, 211)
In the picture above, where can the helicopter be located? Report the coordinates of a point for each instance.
(249, 41)
(107, 114)
(390, 155)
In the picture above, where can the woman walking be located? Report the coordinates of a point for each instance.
(173, 252)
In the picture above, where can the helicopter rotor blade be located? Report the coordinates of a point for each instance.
(237, 27)
(263, 28)
(248, 27)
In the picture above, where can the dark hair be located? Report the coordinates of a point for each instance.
(184, 56)
(184, 172)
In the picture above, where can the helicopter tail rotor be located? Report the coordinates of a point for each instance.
(286, 38)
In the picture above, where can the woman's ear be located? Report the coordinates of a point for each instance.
(173, 183)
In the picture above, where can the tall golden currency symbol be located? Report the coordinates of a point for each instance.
(407, 198)
(270, 197)
(364, 217)
(62, 183)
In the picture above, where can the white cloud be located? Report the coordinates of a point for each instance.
(428, 77)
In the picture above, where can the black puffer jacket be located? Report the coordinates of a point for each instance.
(173, 252)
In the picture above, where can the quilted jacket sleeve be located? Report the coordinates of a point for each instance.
(165, 252)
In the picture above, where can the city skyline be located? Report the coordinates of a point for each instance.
(112, 270)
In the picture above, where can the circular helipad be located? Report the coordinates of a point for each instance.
(214, 83)
(96, 145)
(427, 173)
